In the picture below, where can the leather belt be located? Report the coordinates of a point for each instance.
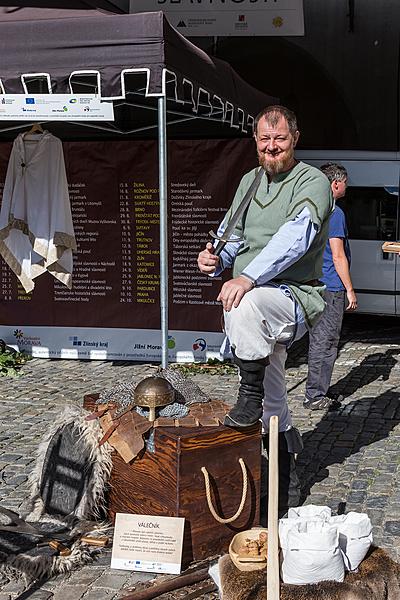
(311, 283)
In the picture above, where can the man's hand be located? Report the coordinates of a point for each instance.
(207, 261)
(233, 291)
(352, 300)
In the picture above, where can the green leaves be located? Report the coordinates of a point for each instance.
(212, 367)
(11, 362)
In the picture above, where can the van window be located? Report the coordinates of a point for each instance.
(371, 213)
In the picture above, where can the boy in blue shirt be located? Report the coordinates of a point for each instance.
(325, 335)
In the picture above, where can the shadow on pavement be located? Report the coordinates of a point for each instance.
(371, 329)
(344, 432)
(371, 368)
(29, 592)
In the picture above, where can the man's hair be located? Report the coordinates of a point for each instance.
(272, 114)
(334, 172)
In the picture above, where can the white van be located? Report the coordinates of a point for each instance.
(372, 211)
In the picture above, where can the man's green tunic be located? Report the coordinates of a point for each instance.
(275, 203)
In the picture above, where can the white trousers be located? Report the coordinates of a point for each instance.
(262, 326)
(275, 393)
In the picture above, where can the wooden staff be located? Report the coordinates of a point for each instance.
(273, 489)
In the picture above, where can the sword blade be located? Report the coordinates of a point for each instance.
(239, 212)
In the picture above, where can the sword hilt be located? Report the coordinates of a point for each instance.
(221, 242)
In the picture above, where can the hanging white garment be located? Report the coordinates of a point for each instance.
(36, 230)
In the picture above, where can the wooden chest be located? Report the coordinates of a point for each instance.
(170, 482)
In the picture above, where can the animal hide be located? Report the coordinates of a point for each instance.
(45, 565)
(90, 502)
(378, 578)
(71, 464)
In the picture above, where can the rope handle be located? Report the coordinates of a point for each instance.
(242, 501)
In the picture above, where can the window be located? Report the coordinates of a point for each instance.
(371, 213)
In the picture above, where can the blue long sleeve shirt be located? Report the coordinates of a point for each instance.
(290, 242)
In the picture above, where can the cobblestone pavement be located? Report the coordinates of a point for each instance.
(351, 454)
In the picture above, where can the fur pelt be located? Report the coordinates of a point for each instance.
(19, 557)
(44, 566)
(378, 578)
(92, 503)
(36, 564)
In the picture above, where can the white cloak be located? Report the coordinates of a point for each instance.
(36, 230)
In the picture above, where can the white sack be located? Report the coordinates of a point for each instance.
(355, 537)
(310, 511)
(312, 554)
(286, 524)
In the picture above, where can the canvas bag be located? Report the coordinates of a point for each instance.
(285, 525)
(310, 511)
(301, 514)
(312, 554)
(355, 537)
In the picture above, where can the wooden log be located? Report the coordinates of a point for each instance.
(273, 488)
(89, 402)
(168, 586)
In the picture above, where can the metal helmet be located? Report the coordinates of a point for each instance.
(152, 392)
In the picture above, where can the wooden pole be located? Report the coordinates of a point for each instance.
(273, 489)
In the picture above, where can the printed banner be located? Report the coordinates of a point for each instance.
(113, 308)
(229, 17)
(112, 344)
(54, 107)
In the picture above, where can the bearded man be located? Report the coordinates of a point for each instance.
(276, 256)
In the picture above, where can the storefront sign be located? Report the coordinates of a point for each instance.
(54, 107)
(229, 17)
(147, 543)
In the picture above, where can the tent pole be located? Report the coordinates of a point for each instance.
(162, 182)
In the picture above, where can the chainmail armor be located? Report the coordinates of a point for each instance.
(186, 392)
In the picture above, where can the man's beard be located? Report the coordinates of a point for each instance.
(278, 165)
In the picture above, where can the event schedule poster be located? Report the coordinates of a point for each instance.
(113, 308)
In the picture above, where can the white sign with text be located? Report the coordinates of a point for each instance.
(111, 343)
(147, 543)
(229, 17)
(54, 107)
